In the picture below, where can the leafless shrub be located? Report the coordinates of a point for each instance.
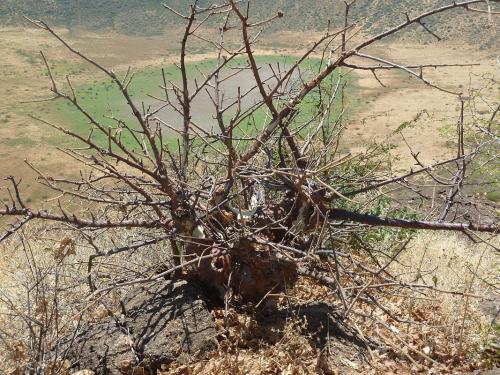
(264, 193)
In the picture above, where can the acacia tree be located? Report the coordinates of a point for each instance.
(266, 194)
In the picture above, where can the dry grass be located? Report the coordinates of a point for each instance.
(450, 330)
(44, 289)
(448, 334)
(452, 262)
(469, 272)
(404, 97)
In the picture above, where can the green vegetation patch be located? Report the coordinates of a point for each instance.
(102, 100)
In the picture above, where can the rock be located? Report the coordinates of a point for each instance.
(162, 324)
(490, 307)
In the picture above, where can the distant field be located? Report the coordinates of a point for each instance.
(374, 111)
(24, 79)
(102, 98)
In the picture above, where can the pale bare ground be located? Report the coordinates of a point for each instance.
(404, 97)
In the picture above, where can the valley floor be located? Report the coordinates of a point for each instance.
(380, 110)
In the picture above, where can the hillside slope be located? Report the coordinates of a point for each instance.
(148, 17)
